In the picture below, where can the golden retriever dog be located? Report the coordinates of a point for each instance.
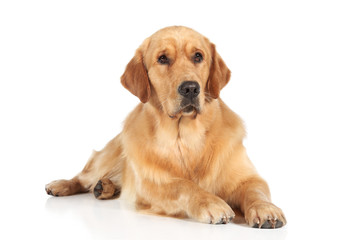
(180, 152)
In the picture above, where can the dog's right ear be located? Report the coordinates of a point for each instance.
(219, 74)
(135, 77)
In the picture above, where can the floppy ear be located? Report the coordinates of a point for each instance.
(135, 78)
(219, 74)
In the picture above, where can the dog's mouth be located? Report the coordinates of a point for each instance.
(187, 108)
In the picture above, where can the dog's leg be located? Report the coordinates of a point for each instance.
(183, 198)
(79, 184)
(253, 197)
(102, 173)
(65, 187)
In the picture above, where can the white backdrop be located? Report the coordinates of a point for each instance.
(60, 97)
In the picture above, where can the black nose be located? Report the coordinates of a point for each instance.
(189, 89)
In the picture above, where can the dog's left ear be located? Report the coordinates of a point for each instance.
(135, 77)
(219, 74)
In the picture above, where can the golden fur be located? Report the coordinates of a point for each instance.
(175, 162)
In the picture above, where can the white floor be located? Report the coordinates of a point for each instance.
(31, 214)
(112, 219)
(84, 217)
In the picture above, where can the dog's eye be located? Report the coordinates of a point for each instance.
(198, 57)
(163, 60)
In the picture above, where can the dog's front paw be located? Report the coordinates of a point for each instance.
(265, 215)
(211, 209)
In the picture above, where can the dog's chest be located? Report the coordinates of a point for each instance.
(182, 145)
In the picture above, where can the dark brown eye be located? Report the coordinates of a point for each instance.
(198, 57)
(163, 60)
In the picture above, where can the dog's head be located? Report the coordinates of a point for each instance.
(177, 70)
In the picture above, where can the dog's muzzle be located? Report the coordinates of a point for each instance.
(189, 90)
